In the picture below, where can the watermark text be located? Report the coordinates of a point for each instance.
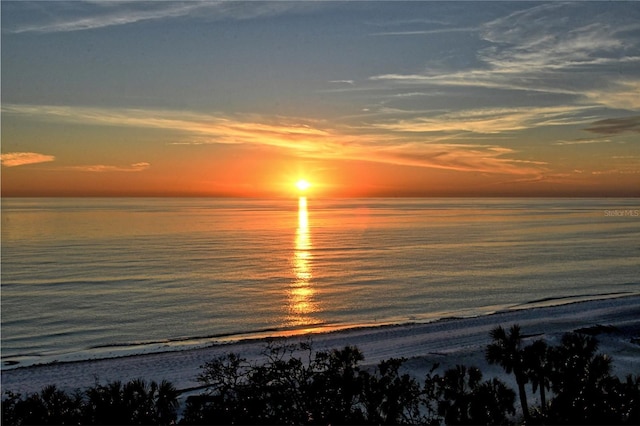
(622, 213)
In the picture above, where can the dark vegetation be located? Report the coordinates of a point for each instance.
(296, 385)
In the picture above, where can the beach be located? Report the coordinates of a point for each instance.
(615, 321)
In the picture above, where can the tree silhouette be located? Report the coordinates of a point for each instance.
(538, 368)
(338, 384)
(492, 401)
(581, 381)
(389, 397)
(105, 405)
(135, 402)
(456, 388)
(327, 388)
(223, 376)
(630, 400)
(331, 387)
(49, 407)
(166, 403)
(506, 351)
(466, 400)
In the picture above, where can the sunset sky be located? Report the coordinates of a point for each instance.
(358, 98)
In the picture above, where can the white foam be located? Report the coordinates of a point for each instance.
(449, 342)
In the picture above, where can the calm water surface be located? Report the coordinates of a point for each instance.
(87, 277)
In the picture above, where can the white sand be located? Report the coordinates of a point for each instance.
(449, 342)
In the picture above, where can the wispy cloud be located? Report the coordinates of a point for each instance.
(14, 159)
(93, 15)
(89, 15)
(215, 128)
(425, 32)
(581, 141)
(617, 94)
(551, 37)
(625, 157)
(540, 49)
(304, 138)
(616, 172)
(488, 120)
(460, 157)
(102, 168)
(388, 23)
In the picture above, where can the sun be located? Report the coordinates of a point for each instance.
(303, 184)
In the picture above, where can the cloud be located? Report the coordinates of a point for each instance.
(460, 157)
(480, 78)
(542, 48)
(141, 165)
(404, 22)
(296, 134)
(14, 159)
(101, 168)
(581, 141)
(54, 17)
(615, 172)
(561, 36)
(488, 120)
(618, 95)
(304, 138)
(613, 126)
(95, 15)
(426, 32)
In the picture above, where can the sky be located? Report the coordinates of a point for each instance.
(392, 99)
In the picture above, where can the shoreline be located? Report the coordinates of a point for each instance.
(448, 341)
(123, 350)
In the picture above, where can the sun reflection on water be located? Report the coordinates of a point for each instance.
(301, 293)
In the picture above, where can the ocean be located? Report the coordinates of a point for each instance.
(96, 277)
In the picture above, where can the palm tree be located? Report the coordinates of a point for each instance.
(538, 368)
(581, 382)
(166, 403)
(60, 407)
(463, 399)
(137, 396)
(492, 401)
(506, 351)
(105, 404)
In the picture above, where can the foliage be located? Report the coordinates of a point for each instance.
(295, 385)
(507, 351)
(466, 400)
(135, 402)
(391, 397)
(583, 389)
(538, 369)
(586, 393)
(50, 406)
(326, 387)
(331, 387)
